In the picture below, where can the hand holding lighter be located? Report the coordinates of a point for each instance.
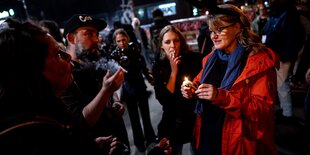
(187, 83)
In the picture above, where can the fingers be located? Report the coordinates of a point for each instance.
(174, 62)
(108, 74)
(114, 142)
(206, 91)
(103, 139)
(187, 92)
(175, 59)
(118, 74)
(118, 77)
(119, 108)
(115, 146)
(164, 143)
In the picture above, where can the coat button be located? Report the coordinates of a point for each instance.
(247, 81)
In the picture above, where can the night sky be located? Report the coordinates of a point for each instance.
(61, 10)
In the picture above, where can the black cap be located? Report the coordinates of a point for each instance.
(80, 20)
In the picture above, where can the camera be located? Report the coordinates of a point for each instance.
(119, 56)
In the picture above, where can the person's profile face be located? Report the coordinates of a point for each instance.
(57, 69)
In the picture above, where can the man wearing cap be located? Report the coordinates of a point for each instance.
(92, 97)
(85, 28)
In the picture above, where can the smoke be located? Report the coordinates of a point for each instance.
(107, 64)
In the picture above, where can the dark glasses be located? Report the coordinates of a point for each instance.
(64, 55)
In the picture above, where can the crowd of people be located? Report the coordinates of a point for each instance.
(61, 94)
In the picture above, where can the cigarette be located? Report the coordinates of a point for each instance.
(172, 53)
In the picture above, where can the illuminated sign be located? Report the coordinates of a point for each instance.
(168, 9)
(6, 14)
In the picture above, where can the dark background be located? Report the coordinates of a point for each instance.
(60, 10)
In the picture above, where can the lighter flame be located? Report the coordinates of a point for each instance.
(187, 83)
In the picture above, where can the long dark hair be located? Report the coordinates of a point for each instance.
(53, 29)
(23, 50)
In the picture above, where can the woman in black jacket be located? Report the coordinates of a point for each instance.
(175, 62)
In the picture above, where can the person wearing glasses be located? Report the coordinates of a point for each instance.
(32, 118)
(236, 89)
(92, 97)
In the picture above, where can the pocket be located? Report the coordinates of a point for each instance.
(252, 129)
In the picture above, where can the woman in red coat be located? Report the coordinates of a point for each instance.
(236, 90)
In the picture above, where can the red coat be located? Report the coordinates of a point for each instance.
(249, 125)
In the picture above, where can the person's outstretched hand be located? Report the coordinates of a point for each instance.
(113, 82)
(188, 92)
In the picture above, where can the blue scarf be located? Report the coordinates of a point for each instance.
(233, 70)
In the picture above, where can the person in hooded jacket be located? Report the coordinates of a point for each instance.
(236, 89)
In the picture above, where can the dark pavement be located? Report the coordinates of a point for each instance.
(291, 135)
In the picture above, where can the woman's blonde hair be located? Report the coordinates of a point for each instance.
(231, 14)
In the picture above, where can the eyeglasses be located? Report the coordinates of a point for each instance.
(219, 30)
(64, 55)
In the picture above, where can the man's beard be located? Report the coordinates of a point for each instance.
(91, 54)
